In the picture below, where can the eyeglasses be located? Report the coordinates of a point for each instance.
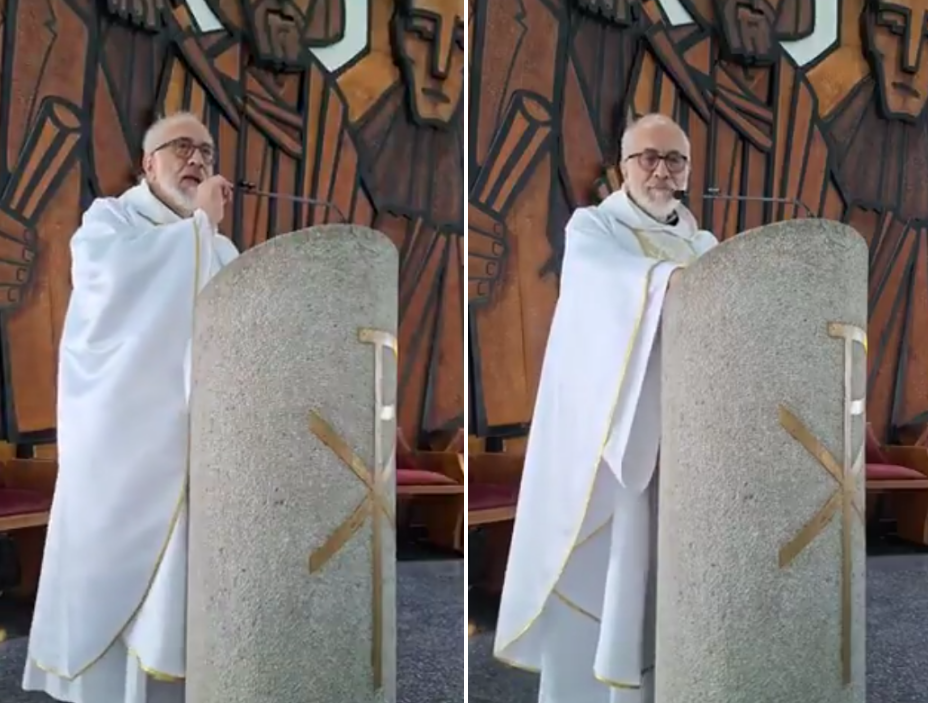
(650, 158)
(183, 148)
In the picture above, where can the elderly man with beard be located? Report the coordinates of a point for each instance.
(109, 623)
(578, 589)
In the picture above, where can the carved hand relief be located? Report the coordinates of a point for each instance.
(845, 498)
(282, 32)
(145, 14)
(428, 41)
(895, 36)
(51, 150)
(620, 12)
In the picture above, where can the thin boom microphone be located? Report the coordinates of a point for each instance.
(251, 189)
(714, 194)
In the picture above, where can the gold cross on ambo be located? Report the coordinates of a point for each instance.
(376, 500)
(845, 496)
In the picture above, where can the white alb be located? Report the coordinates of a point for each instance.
(109, 623)
(578, 596)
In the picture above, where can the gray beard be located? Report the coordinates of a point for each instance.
(174, 198)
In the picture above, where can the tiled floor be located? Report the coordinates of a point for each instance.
(897, 638)
(430, 637)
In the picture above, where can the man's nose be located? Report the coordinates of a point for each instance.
(661, 169)
(196, 157)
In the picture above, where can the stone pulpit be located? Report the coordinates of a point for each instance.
(292, 566)
(761, 546)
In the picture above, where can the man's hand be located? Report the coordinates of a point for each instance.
(212, 196)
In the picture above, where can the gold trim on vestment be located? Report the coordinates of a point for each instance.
(652, 253)
(656, 251)
(617, 684)
(177, 509)
(153, 673)
(587, 614)
(573, 606)
(594, 533)
(618, 391)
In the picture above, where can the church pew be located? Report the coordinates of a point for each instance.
(26, 490)
(897, 477)
(430, 486)
(492, 487)
(493, 481)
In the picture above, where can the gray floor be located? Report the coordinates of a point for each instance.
(897, 640)
(430, 637)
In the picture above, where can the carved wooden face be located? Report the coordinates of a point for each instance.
(748, 31)
(428, 37)
(896, 33)
(280, 32)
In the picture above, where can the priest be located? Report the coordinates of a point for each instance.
(109, 623)
(579, 582)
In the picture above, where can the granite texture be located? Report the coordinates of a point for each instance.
(745, 333)
(276, 338)
(897, 639)
(430, 637)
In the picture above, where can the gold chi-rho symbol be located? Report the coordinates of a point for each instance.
(846, 476)
(377, 501)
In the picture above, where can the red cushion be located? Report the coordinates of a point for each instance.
(419, 477)
(888, 472)
(485, 496)
(874, 452)
(14, 501)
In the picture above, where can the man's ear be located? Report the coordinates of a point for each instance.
(623, 168)
(148, 165)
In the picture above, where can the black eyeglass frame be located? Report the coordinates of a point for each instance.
(183, 148)
(653, 153)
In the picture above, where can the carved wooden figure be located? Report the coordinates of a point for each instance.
(82, 80)
(417, 122)
(279, 120)
(42, 180)
(547, 79)
(873, 92)
(748, 109)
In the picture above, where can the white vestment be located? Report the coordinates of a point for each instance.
(110, 616)
(583, 553)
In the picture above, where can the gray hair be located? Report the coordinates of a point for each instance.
(153, 135)
(644, 121)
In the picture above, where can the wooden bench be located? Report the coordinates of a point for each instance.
(431, 486)
(898, 476)
(26, 490)
(493, 482)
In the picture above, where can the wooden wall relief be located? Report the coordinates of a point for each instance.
(749, 111)
(82, 80)
(412, 119)
(46, 80)
(874, 89)
(547, 79)
(819, 103)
